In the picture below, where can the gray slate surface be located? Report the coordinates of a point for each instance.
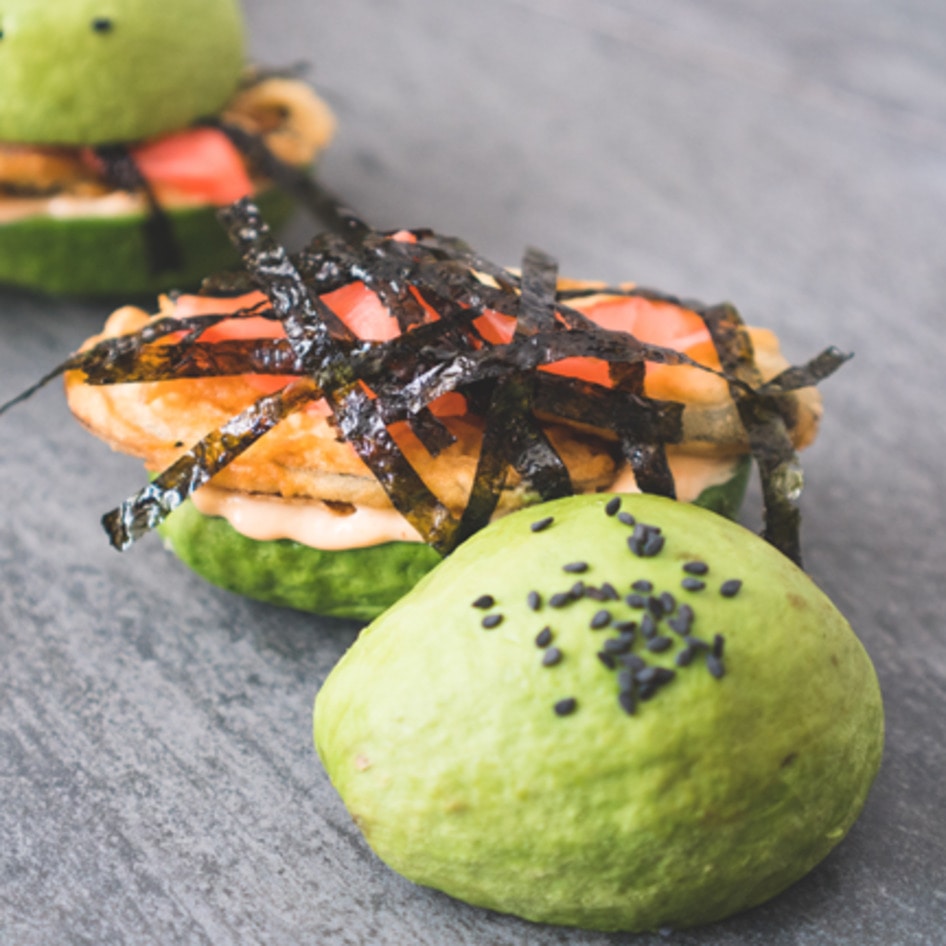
(157, 781)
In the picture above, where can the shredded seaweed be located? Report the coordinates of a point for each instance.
(152, 504)
(780, 471)
(445, 298)
(161, 244)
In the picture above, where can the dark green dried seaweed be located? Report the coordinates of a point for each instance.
(152, 504)
(514, 438)
(295, 181)
(437, 288)
(303, 316)
(780, 472)
(161, 244)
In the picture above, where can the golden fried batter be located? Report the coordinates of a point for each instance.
(304, 457)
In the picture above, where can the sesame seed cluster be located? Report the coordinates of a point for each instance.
(660, 620)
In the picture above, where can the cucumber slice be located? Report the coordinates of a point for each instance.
(107, 256)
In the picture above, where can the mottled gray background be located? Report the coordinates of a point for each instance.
(157, 781)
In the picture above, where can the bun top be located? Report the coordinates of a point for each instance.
(679, 737)
(88, 72)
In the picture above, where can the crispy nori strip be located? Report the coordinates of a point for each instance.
(537, 306)
(527, 447)
(513, 437)
(115, 360)
(363, 427)
(651, 469)
(227, 358)
(358, 418)
(807, 375)
(156, 501)
(779, 469)
(643, 419)
(295, 181)
(121, 172)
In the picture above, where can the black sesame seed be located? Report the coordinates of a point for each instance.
(647, 690)
(668, 602)
(552, 657)
(627, 701)
(610, 592)
(659, 644)
(683, 620)
(718, 643)
(606, 659)
(566, 706)
(696, 643)
(633, 662)
(544, 637)
(560, 599)
(627, 519)
(575, 568)
(645, 674)
(696, 568)
(653, 545)
(636, 545)
(730, 588)
(625, 627)
(492, 620)
(715, 666)
(685, 657)
(578, 590)
(534, 600)
(655, 606)
(102, 24)
(484, 602)
(596, 594)
(692, 584)
(643, 585)
(541, 524)
(613, 506)
(648, 625)
(618, 645)
(664, 675)
(636, 601)
(625, 679)
(601, 619)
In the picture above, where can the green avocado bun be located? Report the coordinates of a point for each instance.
(625, 718)
(87, 72)
(353, 583)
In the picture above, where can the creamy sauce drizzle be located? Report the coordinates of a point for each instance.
(307, 521)
(70, 206)
(320, 526)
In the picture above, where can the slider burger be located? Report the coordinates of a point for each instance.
(323, 428)
(123, 126)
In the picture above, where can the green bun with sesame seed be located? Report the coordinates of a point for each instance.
(637, 792)
(86, 72)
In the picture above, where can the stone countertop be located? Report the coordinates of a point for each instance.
(157, 779)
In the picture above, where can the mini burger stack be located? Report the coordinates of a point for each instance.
(123, 127)
(323, 428)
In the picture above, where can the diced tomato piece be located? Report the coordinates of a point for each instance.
(362, 311)
(656, 323)
(199, 161)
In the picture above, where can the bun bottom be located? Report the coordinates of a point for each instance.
(351, 583)
(107, 256)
